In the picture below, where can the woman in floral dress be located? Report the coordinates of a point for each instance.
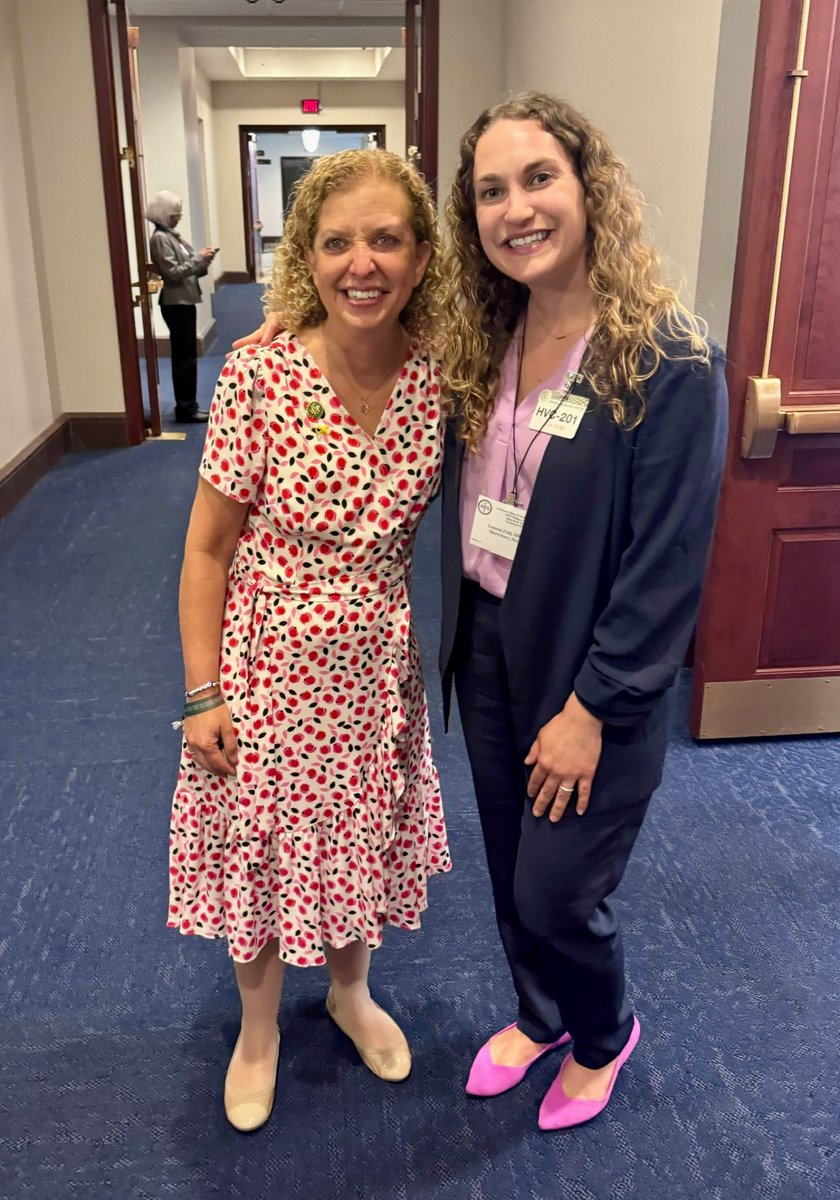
(307, 812)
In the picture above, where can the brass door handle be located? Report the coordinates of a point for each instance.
(764, 418)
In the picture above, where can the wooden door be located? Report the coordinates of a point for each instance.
(422, 23)
(127, 39)
(250, 201)
(99, 18)
(767, 657)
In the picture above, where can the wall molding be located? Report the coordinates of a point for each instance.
(71, 431)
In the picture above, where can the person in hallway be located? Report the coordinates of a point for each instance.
(307, 812)
(180, 267)
(582, 464)
(582, 469)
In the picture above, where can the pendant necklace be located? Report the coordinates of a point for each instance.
(364, 407)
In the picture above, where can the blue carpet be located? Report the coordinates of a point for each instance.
(115, 1033)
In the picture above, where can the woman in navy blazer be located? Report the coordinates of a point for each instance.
(588, 419)
(582, 467)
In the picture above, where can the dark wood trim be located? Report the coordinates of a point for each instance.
(329, 126)
(245, 181)
(137, 221)
(21, 474)
(98, 431)
(412, 136)
(73, 431)
(233, 277)
(106, 116)
(429, 70)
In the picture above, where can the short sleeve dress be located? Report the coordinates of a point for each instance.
(333, 822)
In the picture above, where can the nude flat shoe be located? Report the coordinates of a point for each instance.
(247, 1111)
(393, 1065)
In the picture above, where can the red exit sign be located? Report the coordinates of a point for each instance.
(310, 106)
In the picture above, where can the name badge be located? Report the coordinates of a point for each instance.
(497, 527)
(558, 413)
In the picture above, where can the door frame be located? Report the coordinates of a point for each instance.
(730, 569)
(99, 19)
(421, 88)
(245, 174)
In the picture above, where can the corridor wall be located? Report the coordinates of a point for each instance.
(645, 73)
(60, 329)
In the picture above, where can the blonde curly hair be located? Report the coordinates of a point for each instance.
(639, 321)
(292, 290)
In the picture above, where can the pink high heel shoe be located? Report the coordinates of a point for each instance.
(490, 1079)
(559, 1111)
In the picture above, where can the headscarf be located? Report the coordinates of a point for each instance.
(161, 207)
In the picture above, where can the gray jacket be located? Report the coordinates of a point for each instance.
(178, 266)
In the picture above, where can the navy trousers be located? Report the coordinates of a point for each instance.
(550, 880)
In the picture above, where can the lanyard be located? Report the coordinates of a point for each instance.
(510, 498)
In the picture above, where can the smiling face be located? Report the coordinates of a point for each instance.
(365, 260)
(529, 205)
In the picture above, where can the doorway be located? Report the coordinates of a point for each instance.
(273, 158)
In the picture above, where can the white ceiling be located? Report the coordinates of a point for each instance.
(219, 64)
(340, 29)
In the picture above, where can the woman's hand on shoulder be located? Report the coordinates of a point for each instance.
(211, 740)
(273, 325)
(565, 756)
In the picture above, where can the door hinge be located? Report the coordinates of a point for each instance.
(127, 153)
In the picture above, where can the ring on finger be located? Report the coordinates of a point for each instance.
(564, 789)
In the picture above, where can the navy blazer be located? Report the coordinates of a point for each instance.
(604, 588)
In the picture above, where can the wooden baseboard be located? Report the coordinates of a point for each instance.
(233, 277)
(72, 431)
(97, 431)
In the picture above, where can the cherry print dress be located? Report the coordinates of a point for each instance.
(333, 822)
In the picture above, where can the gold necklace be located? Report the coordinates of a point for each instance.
(364, 407)
(558, 337)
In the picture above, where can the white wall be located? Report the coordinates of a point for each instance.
(645, 73)
(204, 114)
(26, 406)
(472, 37)
(236, 104)
(66, 208)
(730, 125)
(169, 100)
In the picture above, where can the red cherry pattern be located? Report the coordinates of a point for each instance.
(334, 820)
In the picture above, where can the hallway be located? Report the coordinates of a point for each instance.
(115, 1033)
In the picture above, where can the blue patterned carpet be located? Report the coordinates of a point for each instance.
(115, 1033)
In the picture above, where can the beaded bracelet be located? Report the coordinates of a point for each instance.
(198, 706)
(202, 687)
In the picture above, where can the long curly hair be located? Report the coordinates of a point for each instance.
(639, 321)
(292, 290)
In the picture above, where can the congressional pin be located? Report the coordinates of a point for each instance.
(315, 410)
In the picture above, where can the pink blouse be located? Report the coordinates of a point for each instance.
(490, 471)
